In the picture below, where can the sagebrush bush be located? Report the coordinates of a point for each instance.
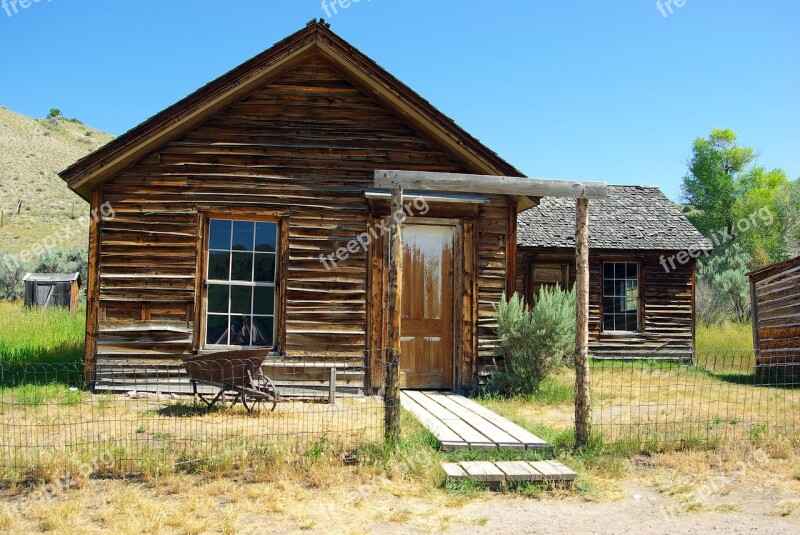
(533, 342)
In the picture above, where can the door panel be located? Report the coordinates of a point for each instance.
(426, 328)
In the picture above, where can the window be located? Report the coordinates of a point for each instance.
(548, 275)
(620, 296)
(241, 283)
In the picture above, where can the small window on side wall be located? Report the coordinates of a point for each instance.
(621, 296)
(241, 283)
(548, 275)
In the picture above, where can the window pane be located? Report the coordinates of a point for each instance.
(632, 289)
(608, 288)
(608, 322)
(264, 302)
(217, 330)
(263, 331)
(241, 299)
(218, 298)
(218, 265)
(630, 305)
(240, 330)
(243, 235)
(619, 270)
(242, 267)
(619, 288)
(608, 270)
(608, 305)
(266, 237)
(631, 322)
(219, 234)
(265, 268)
(632, 270)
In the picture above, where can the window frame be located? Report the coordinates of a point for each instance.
(562, 266)
(202, 281)
(603, 296)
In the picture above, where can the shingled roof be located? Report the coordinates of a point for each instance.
(631, 218)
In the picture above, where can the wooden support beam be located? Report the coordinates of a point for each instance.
(392, 392)
(583, 408)
(495, 185)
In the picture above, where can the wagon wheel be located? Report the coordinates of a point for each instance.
(266, 388)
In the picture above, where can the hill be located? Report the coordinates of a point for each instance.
(32, 152)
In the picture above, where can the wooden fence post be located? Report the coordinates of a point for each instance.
(583, 408)
(391, 397)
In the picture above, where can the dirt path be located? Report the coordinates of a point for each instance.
(642, 514)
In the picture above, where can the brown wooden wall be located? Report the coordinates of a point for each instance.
(301, 149)
(775, 294)
(666, 303)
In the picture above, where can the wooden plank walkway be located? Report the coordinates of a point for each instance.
(459, 423)
(510, 471)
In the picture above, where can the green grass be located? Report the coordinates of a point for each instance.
(40, 336)
(724, 337)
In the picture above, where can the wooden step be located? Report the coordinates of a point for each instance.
(509, 471)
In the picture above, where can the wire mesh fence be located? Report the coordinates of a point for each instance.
(125, 418)
(717, 397)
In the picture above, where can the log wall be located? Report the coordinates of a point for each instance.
(301, 149)
(775, 295)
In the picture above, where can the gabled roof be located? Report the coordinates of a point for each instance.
(631, 218)
(315, 38)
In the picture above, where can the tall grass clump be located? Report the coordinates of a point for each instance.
(724, 336)
(533, 342)
(39, 336)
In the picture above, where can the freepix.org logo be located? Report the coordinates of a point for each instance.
(12, 7)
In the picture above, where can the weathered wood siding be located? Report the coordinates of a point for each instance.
(775, 295)
(666, 303)
(302, 148)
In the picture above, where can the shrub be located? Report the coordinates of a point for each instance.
(533, 343)
(723, 289)
(11, 273)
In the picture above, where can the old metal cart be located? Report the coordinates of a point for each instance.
(234, 373)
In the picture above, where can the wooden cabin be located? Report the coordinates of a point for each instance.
(243, 216)
(642, 256)
(775, 299)
(52, 290)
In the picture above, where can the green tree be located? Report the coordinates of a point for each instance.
(714, 179)
(732, 195)
(761, 209)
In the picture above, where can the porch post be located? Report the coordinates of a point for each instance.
(392, 393)
(583, 408)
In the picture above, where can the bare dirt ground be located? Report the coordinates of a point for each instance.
(640, 512)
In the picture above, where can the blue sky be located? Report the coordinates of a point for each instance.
(600, 90)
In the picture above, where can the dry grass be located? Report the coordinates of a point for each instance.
(46, 430)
